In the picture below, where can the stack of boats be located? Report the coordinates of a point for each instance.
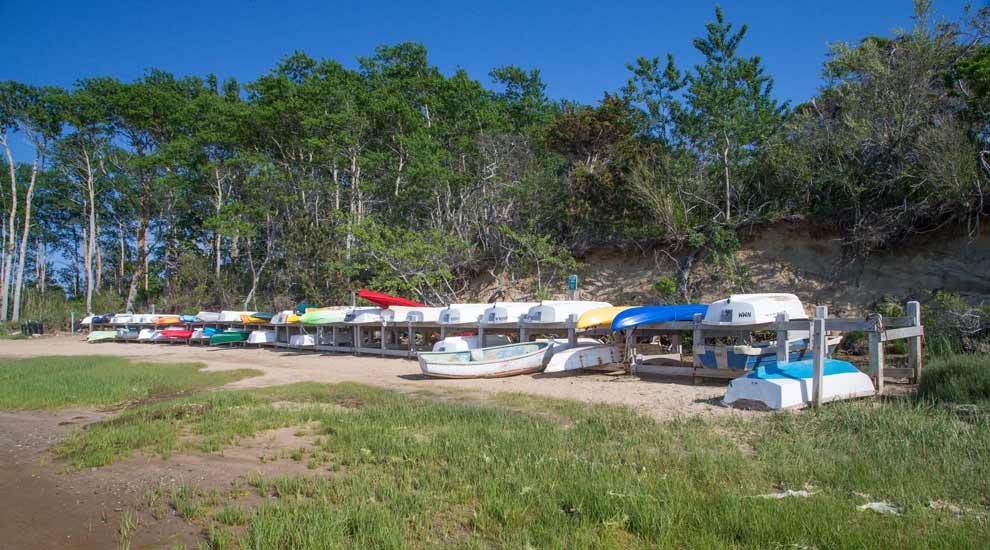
(472, 353)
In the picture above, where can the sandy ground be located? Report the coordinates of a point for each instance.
(660, 398)
(46, 504)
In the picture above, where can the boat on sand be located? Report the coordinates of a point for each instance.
(789, 386)
(492, 362)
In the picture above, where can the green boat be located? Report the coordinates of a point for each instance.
(229, 337)
(324, 316)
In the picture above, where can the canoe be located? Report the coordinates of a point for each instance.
(789, 386)
(599, 316)
(182, 334)
(324, 316)
(383, 300)
(560, 311)
(506, 312)
(583, 357)
(170, 320)
(464, 343)
(101, 336)
(493, 362)
(651, 315)
(228, 337)
(262, 337)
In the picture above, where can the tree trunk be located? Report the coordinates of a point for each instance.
(24, 238)
(9, 245)
(90, 233)
(139, 265)
(728, 188)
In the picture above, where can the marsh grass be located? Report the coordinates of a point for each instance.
(518, 471)
(64, 381)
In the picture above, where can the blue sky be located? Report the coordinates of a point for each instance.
(580, 47)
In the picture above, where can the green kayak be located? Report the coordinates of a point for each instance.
(229, 337)
(324, 316)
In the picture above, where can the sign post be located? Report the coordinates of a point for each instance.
(571, 285)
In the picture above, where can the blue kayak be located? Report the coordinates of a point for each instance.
(651, 315)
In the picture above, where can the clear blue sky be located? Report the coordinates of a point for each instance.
(580, 47)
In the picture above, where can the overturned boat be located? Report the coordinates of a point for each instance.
(560, 311)
(789, 386)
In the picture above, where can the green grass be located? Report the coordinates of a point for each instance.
(65, 381)
(403, 471)
(958, 379)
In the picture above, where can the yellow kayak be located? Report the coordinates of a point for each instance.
(292, 318)
(599, 316)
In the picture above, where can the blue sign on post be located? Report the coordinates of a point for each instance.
(572, 283)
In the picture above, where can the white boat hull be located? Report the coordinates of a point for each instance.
(795, 393)
(528, 363)
(262, 337)
(464, 343)
(302, 340)
(583, 358)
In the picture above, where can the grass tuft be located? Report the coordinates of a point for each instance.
(959, 380)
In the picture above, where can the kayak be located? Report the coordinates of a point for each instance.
(651, 315)
(188, 318)
(292, 318)
(229, 337)
(253, 318)
(262, 316)
(177, 333)
(170, 320)
(303, 308)
(383, 300)
(324, 316)
(600, 316)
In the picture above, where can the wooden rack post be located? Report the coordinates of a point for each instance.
(819, 345)
(914, 343)
(783, 347)
(697, 340)
(875, 342)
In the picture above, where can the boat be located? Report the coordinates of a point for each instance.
(293, 318)
(159, 335)
(753, 309)
(361, 315)
(177, 333)
(652, 315)
(229, 337)
(506, 312)
(282, 317)
(122, 319)
(560, 311)
(199, 334)
(464, 343)
(491, 362)
(324, 316)
(599, 316)
(188, 318)
(583, 357)
(302, 340)
(790, 386)
(262, 337)
(146, 334)
(462, 314)
(262, 316)
(406, 314)
(383, 300)
(210, 331)
(101, 336)
(207, 317)
(745, 311)
(168, 320)
(128, 333)
(303, 308)
(231, 316)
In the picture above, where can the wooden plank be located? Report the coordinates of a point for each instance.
(783, 346)
(902, 372)
(915, 357)
(899, 333)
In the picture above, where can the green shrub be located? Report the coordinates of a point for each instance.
(665, 286)
(962, 379)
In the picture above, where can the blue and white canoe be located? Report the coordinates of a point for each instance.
(789, 386)
(653, 315)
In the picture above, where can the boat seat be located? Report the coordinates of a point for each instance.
(477, 355)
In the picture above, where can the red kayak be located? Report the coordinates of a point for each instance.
(177, 333)
(383, 300)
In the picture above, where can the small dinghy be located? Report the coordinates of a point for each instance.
(506, 312)
(789, 386)
(462, 314)
(177, 334)
(101, 336)
(146, 334)
(231, 316)
(583, 357)
(282, 317)
(560, 311)
(493, 362)
(363, 315)
(262, 337)
(229, 337)
(302, 340)
(122, 319)
(406, 314)
(128, 333)
(464, 343)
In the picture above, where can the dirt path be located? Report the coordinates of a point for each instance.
(662, 399)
